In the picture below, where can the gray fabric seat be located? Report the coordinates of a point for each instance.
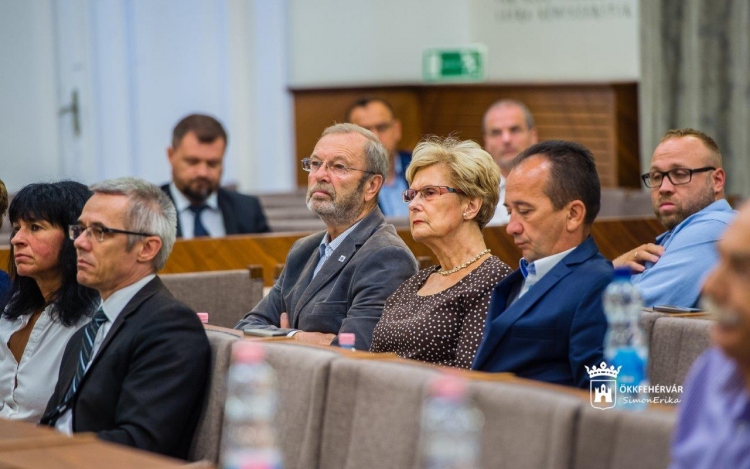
(207, 440)
(372, 414)
(374, 409)
(226, 295)
(303, 374)
(614, 439)
(526, 427)
(675, 345)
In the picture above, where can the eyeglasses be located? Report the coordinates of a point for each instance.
(74, 231)
(337, 169)
(428, 192)
(677, 176)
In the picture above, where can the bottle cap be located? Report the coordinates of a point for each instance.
(448, 386)
(346, 339)
(203, 317)
(622, 272)
(247, 352)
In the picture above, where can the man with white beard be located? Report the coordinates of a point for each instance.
(338, 280)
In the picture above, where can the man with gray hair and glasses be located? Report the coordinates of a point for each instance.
(338, 280)
(137, 373)
(687, 194)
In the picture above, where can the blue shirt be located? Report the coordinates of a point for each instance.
(713, 426)
(689, 254)
(327, 247)
(390, 198)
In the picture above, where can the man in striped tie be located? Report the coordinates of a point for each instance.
(136, 374)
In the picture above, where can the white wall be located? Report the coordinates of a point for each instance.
(28, 123)
(143, 64)
(140, 66)
(353, 43)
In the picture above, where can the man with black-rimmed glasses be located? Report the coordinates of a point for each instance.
(136, 374)
(338, 280)
(686, 180)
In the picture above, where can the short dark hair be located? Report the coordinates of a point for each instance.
(572, 175)
(364, 101)
(708, 142)
(206, 128)
(60, 204)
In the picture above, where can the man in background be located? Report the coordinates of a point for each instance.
(687, 194)
(376, 115)
(203, 208)
(508, 129)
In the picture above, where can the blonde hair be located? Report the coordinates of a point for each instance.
(472, 170)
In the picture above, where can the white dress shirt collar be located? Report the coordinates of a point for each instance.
(539, 268)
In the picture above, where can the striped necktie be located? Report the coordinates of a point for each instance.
(89, 335)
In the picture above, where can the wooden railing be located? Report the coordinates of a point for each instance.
(267, 250)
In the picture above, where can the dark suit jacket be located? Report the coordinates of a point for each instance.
(349, 292)
(242, 213)
(146, 384)
(556, 328)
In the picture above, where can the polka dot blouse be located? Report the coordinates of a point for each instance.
(444, 328)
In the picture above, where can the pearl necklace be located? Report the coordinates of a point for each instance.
(464, 265)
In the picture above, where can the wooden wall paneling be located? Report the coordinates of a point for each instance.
(613, 236)
(317, 109)
(628, 137)
(584, 114)
(603, 117)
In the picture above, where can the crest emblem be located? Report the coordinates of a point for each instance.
(603, 390)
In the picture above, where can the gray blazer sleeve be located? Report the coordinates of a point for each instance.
(267, 313)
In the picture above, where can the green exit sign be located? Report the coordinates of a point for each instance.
(464, 64)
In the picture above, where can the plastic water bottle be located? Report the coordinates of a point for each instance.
(346, 340)
(625, 344)
(249, 440)
(451, 427)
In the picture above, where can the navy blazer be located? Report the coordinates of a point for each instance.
(556, 328)
(242, 213)
(350, 290)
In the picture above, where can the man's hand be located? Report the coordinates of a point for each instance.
(637, 258)
(317, 338)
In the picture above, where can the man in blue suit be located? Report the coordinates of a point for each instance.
(546, 320)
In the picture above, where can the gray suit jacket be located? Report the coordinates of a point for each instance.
(350, 290)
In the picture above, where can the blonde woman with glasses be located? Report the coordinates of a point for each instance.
(438, 314)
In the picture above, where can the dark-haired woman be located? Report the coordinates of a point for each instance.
(46, 304)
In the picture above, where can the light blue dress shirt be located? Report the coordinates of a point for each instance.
(390, 198)
(689, 255)
(534, 271)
